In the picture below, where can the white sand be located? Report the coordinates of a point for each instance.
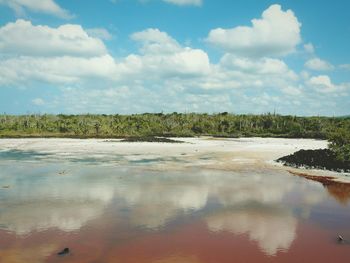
(215, 153)
(266, 148)
(243, 150)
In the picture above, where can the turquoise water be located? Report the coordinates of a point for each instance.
(18, 155)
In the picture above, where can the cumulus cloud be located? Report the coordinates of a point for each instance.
(155, 41)
(292, 91)
(184, 2)
(187, 62)
(24, 38)
(161, 54)
(241, 72)
(162, 68)
(62, 55)
(68, 54)
(58, 70)
(260, 66)
(40, 6)
(317, 64)
(322, 81)
(276, 33)
(324, 84)
(178, 77)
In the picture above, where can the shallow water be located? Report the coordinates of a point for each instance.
(124, 211)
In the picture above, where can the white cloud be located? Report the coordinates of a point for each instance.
(309, 48)
(276, 33)
(292, 91)
(324, 84)
(256, 66)
(304, 75)
(101, 33)
(317, 64)
(155, 41)
(62, 55)
(38, 101)
(24, 38)
(59, 70)
(184, 2)
(187, 62)
(69, 55)
(239, 72)
(175, 76)
(164, 56)
(40, 6)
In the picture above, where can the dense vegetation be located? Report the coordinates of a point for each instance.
(146, 127)
(174, 124)
(340, 144)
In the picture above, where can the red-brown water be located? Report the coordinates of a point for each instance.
(134, 215)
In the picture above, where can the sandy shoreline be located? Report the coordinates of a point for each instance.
(215, 153)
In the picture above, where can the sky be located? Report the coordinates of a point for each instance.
(134, 56)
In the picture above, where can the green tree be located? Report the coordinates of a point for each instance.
(340, 144)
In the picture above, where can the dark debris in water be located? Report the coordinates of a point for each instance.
(64, 252)
(342, 241)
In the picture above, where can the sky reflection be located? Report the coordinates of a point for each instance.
(265, 206)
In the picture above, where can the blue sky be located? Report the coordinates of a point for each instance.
(134, 56)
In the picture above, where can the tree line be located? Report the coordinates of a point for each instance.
(173, 124)
(335, 129)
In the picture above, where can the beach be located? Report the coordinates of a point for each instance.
(206, 152)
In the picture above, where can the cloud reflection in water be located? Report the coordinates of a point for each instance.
(240, 203)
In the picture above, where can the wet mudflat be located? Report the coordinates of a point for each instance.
(127, 212)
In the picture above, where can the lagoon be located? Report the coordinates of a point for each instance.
(207, 200)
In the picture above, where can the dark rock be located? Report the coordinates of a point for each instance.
(315, 159)
(150, 139)
(65, 251)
